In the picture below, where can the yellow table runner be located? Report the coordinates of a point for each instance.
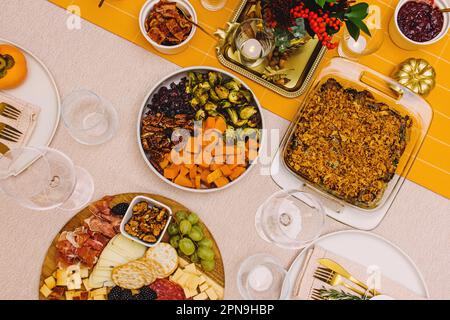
(432, 168)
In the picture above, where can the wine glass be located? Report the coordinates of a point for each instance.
(288, 222)
(254, 42)
(364, 45)
(51, 181)
(261, 277)
(91, 120)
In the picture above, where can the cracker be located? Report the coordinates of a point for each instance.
(128, 277)
(166, 256)
(147, 270)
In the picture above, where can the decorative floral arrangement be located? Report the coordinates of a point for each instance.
(295, 19)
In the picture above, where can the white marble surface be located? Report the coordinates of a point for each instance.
(418, 221)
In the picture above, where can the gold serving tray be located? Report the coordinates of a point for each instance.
(301, 65)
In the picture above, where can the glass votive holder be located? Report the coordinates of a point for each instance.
(254, 42)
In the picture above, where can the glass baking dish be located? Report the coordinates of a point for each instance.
(353, 75)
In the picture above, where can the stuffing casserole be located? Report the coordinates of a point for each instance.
(347, 143)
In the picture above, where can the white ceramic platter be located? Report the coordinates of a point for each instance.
(366, 249)
(176, 77)
(39, 89)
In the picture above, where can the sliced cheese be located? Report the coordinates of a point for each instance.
(46, 291)
(50, 282)
(211, 294)
(201, 296)
(61, 277)
(203, 287)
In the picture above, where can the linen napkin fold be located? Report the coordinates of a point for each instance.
(25, 123)
(305, 282)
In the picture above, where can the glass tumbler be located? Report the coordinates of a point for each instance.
(288, 222)
(90, 119)
(354, 49)
(213, 5)
(261, 277)
(254, 42)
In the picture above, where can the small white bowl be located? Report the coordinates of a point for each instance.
(403, 41)
(129, 214)
(183, 5)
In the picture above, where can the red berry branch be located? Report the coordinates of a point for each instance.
(323, 18)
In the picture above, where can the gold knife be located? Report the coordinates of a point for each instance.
(334, 266)
(3, 148)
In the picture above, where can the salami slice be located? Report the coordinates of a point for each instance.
(167, 290)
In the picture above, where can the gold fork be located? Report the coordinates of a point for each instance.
(315, 295)
(333, 279)
(8, 111)
(3, 148)
(9, 133)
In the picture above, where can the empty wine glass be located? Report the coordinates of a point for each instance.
(289, 222)
(91, 120)
(51, 181)
(261, 277)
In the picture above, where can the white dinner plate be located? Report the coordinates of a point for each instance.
(38, 89)
(366, 249)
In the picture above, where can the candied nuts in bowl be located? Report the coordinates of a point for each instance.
(146, 221)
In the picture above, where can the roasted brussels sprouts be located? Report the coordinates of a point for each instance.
(222, 92)
(213, 113)
(192, 78)
(236, 97)
(247, 112)
(232, 114)
(232, 85)
(213, 78)
(203, 99)
(224, 104)
(235, 119)
(195, 102)
(199, 76)
(210, 106)
(247, 95)
(213, 96)
(200, 115)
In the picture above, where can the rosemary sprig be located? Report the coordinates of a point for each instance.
(333, 294)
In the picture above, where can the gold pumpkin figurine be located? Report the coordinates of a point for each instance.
(417, 75)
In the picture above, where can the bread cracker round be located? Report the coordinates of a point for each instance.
(166, 256)
(128, 277)
(147, 270)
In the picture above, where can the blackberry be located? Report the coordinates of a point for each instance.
(120, 209)
(115, 293)
(146, 293)
(126, 295)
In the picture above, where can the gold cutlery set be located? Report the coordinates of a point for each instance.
(335, 275)
(7, 132)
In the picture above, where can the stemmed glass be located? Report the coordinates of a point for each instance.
(290, 219)
(288, 222)
(51, 181)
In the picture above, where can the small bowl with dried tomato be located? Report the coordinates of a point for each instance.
(146, 221)
(165, 26)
